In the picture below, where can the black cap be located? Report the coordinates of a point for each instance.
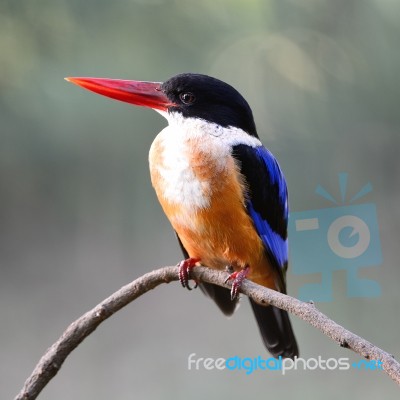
(201, 96)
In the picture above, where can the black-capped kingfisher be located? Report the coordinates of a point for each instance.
(221, 189)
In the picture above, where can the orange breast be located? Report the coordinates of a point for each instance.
(206, 206)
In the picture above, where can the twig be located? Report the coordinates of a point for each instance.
(52, 360)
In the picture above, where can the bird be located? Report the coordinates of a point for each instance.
(223, 192)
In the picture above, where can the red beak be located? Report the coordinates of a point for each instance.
(147, 94)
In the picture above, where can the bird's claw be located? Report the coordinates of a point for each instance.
(184, 271)
(238, 277)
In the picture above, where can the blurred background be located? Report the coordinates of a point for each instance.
(79, 219)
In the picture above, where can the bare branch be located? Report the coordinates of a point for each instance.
(52, 360)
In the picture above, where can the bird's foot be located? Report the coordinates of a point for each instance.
(185, 267)
(237, 277)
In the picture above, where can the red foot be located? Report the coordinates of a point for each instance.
(237, 277)
(184, 270)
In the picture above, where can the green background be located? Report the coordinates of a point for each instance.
(79, 219)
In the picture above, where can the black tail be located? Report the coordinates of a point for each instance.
(221, 296)
(276, 330)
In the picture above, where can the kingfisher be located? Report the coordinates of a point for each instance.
(223, 192)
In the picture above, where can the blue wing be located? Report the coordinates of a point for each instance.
(267, 200)
(267, 205)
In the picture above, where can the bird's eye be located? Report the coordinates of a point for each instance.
(187, 98)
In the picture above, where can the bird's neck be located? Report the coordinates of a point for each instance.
(188, 158)
(184, 167)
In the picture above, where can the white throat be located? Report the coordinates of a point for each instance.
(188, 157)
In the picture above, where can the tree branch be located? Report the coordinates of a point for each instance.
(52, 360)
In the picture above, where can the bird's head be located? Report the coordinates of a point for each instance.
(190, 95)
